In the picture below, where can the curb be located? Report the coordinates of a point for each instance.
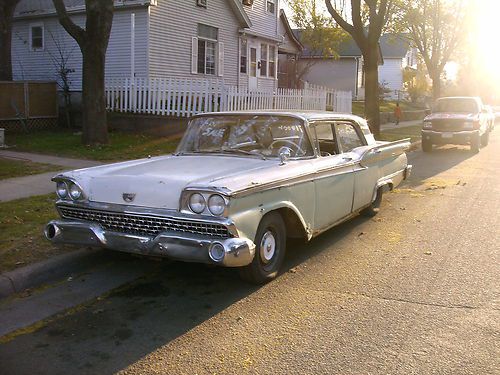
(47, 271)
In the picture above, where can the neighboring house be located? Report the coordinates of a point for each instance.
(201, 39)
(345, 72)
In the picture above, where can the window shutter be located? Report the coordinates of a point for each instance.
(194, 55)
(220, 48)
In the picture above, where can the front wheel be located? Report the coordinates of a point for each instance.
(270, 243)
(475, 144)
(426, 146)
(485, 139)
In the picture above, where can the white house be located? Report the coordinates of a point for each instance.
(345, 72)
(235, 41)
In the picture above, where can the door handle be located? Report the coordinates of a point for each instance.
(377, 151)
(347, 158)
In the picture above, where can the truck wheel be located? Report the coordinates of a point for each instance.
(374, 207)
(475, 144)
(426, 146)
(270, 243)
(485, 139)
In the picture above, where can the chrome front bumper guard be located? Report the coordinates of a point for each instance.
(180, 246)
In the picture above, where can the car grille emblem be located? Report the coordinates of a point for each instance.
(128, 197)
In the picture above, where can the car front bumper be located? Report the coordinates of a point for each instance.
(188, 247)
(457, 138)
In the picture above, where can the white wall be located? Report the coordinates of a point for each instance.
(391, 73)
(42, 65)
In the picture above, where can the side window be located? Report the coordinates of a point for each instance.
(325, 138)
(348, 137)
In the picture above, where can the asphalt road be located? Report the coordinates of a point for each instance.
(413, 291)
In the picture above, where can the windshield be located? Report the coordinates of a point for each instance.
(259, 135)
(462, 105)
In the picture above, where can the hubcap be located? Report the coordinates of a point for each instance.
(267, 247)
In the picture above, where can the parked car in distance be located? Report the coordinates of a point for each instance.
(239, 185)
(456, 120)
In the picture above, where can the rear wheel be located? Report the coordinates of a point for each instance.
(270, 243)
(475, 143)
(426, 146)
(374, 207)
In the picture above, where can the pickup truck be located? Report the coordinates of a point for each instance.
(239, 185)
(456, 120)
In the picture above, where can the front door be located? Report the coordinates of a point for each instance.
(254, 67)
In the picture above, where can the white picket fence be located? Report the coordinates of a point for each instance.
(186, 97)
(338, 101)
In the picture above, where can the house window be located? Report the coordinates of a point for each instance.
(263, 60)
(270, 6)
(207, 49)
(243, 56)
(272, 61)
(36, 37)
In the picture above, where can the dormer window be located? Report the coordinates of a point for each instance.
(271, 6)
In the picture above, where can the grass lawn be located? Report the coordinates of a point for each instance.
(21, 231)
(122, 146)
(16, 168)
(358, 108)
(412, 132)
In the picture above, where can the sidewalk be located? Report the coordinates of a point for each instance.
(23, 187)
(402, 124)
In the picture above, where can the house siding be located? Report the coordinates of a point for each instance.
(263, 22)
(174, 23)
(42, 65)
(335, 74)
(391, 73)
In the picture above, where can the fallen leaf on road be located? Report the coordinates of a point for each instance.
(428, 253)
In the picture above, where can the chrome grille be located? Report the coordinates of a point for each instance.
(142, 224)
(447, 125)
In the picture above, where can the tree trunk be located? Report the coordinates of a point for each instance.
(436, 85)
(95, 127)
(372, 111)
(6, 15)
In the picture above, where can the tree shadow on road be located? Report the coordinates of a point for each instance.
(131, 322)
(428, 165)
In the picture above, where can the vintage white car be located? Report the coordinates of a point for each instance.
(239, 185)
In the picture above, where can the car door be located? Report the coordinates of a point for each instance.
(350, 137)
(334, 178)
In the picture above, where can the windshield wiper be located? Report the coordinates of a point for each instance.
(240, 151)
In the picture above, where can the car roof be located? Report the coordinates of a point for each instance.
(303, 115)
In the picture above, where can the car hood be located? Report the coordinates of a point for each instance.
(159, 182)
(452, 116)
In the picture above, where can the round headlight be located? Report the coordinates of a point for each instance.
(216, 204)
(197, 203)
(61, 189)
(75, 192)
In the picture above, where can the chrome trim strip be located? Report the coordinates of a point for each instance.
(302, 178)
